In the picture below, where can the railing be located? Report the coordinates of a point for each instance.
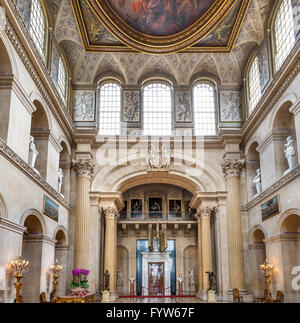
(154, 216)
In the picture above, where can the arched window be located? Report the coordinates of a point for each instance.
(62, 78)
(110, 109)
(284, 33)
(35, 20)
(38, 26)
(205, 109)
(254, 85)
(157, 110)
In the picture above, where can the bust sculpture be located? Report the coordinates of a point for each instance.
(290, 153)
(132, 278)
(60, 180)
(180, 279)
(33, 153)
(257, 182)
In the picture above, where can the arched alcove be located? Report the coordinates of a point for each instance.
(253, 165)
(122, 270)
(257, 250)
(5, 91)
(61, 256)
(283, 127)
(32, 250)
(190, 260)
(290, 246)
(40, 131)
(65, 166)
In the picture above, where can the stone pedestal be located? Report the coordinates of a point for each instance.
(192, 288)
(211, 296)
(105, 297)
(131, 289)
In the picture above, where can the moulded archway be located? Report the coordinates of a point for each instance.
(290, 246)
(257, 254)
(190, 261)
(122, 270)
(32, 250)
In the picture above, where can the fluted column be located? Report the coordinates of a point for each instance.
(205, 214)
(200, 285)
(110, 257)
(231, 170)
(84, 170)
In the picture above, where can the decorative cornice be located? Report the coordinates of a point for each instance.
(275, 187)
(39, 238)
(233, 167)
(84, 168)
(10, 155)
(11, 226)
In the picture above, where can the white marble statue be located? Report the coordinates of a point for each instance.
(180, 279)
(119, 276)
(191, 277)
(33, 153)
(290, 154)
(60, 180)
(257, 182)
(132, 278)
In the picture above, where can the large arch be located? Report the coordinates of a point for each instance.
(38, 215)
(131, 171)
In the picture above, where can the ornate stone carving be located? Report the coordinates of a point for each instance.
(111, 213)
(158, 158)
(131, 110)
(205, 212)
(84, 167)
(233, 167)
(2, 18)
(84, 106)
(290, 154)
(183, 104)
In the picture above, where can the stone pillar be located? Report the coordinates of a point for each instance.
(200, 285)
(205, 213)
(110, 257)
(231, 170)
(84, 170)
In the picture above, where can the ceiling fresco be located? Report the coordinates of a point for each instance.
(159, 26)
(160, 17)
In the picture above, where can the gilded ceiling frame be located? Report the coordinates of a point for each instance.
(135, 41)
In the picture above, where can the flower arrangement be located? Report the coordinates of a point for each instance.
(79, 284)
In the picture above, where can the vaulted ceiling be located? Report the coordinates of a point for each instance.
(86, 66)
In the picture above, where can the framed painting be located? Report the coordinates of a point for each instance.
(175, 208)
(123, 214)
(136, 208)
(155, 207)
(270, 208)
(50, 208)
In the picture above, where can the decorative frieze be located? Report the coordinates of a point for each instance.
(233, 167)
(183, 107)
(230, 104)
(84, 105)
(131, 106)
(84, 167)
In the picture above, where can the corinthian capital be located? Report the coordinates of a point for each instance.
(111, 213)
(205, 212)
(83, 167)
(233, 167)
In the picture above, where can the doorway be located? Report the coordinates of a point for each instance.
(156, 280)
